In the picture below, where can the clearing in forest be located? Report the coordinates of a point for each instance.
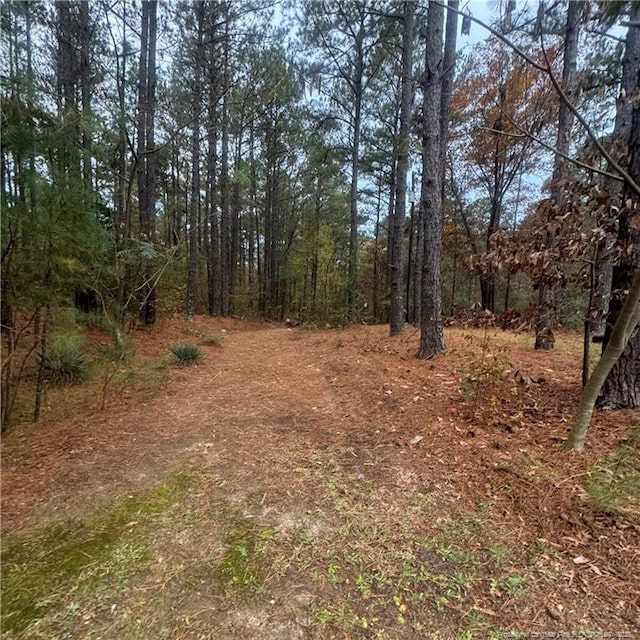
(324, 484)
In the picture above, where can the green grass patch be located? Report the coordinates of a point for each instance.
(393, 572)
(244, 562)
(56, 567)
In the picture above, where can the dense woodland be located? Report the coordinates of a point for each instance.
(328, 162)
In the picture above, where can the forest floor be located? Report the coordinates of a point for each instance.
(325, 484)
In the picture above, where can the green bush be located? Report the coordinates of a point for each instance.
(63, 362)
(186, 354)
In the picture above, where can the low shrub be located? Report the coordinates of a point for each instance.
(186, 354)
(63, 362)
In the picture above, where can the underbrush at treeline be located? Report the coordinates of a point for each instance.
(89, 362)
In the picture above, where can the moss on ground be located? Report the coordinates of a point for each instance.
(62, 562)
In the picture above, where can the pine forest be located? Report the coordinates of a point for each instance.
(320, 319)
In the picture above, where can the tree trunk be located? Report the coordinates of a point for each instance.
(355, 160)
(122, 222)
(409, 310)
(43, 347)
(85, 88)
(620, 140)
(418, 265)
(431, 325)
(194, 204)
(254, 234)
(546, 321)
(315, 263)
(146, 160)
(225, 196)
(621, 390)
(234, 244)
(213, 259)
(7, 385)
(69, 162)
(397, 313)
(488, 291)
(626, 325)
(376, 253)
(448, 70)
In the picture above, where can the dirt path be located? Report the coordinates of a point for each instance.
(340, 437)
(259, 378)
(265, 391)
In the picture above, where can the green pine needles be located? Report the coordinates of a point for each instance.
(186, 354)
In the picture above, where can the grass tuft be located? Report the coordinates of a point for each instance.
(213, 340)
(186, 354)
(63, 362)
(242, 567)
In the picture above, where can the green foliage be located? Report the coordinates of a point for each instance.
(480, 375)
(241, 567)
(63, 362)
(333, 573)
(186, 354)
(93, 320)
(455, 555)
(514, 585)
(499, 555)
(121, 350)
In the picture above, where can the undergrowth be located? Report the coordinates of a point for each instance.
(63, 361)
(244, 561)
(214, 339)
(186, 354)
(404, 570)
(486, 382)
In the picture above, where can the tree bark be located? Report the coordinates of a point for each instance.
(431, 325)
(397, 313)
(620, 139)
(621, 389)
(355, 160)
(225, 191)
(213, 222)
(546, 322)
(85, 89)
(449, 69)
(626, 325)
(146, 161)
(194, 204)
